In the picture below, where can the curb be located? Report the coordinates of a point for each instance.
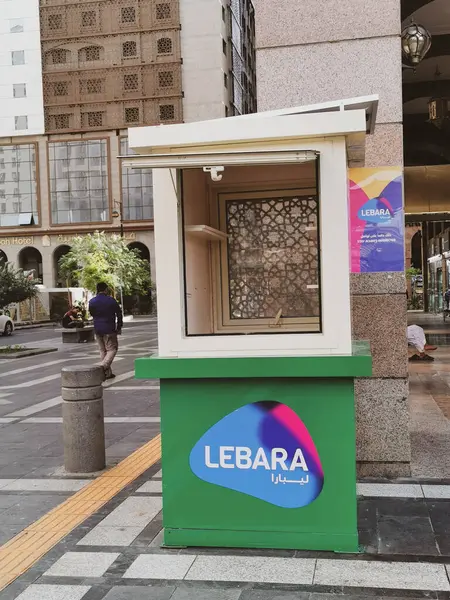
(26, 353)
(34, 326)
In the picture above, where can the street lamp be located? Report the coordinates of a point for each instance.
(416, 42)
(118, 213)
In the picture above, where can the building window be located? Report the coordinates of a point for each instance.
(130, 82)
(137, 190)
(19, 90)
(128, 14)
(224, 47)
(224, 14)
(62, 121)
(19, 185)
(132, 115)
(79, 189)
(55, 22)
(163, 11)
(18, 57)
(16, 25)
(225, 80)
(164, 46)
(95, 119)
(165, 79)
(167, 112)
(129, 49)
(89, 54)
(89, 18)
(21, 123)
(59, 56)
(61, 88)
(91, 86)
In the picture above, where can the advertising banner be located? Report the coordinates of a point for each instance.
(376, 220)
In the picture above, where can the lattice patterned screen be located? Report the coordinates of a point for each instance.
(110, 64)
(273, 257)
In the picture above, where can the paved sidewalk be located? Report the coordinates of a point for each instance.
(116, 554)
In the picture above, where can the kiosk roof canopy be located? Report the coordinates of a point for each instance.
(167, 146)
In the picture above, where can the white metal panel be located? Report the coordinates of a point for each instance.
(240, 132)
(193, 160)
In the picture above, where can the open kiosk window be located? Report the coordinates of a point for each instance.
(252, 249)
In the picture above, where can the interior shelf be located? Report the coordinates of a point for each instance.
(206, 232)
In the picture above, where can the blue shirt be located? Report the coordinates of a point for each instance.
(106, 313)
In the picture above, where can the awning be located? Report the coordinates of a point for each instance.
(259, 138)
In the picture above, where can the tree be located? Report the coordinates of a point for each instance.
(99, 257)
(15, 285)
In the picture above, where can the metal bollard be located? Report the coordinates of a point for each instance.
(83, 419)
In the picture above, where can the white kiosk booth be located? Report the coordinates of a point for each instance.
(256, 357)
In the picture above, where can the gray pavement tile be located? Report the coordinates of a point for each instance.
(434, 491)
(29, 508)
(54, 592)
(120, 449)
(110, 536)
(158, 474)
(279, 595)
(400, 576)
(150, 487)
(196, 593)
(159, 566)
(134, 512)
(82, 564)
(406, 535)
(158, 540)
(253, 569)
(140, 593)
(7, 532)
(44, 485)
(8, 500)
(390, 490)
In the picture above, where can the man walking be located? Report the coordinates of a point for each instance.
(108, 322)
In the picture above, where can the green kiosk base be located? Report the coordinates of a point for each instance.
(259, 452)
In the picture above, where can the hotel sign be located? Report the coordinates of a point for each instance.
(17, 241)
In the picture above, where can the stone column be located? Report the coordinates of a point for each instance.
(298, 65)
(83, 419)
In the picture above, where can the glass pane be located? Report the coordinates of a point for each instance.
(273, 257)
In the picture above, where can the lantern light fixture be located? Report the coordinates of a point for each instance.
(416, 42)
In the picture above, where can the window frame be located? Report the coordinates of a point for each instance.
(24, 89)
(108, 174)
(121, 168)
(19, 53)
(34, 146)
(223, 323)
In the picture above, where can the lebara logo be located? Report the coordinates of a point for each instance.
(263, 450)
(377, 210)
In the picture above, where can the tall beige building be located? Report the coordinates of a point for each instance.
(328, 50)
(108, 65)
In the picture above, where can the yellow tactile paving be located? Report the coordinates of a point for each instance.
(20, 553)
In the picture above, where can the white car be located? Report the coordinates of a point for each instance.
(6, 324)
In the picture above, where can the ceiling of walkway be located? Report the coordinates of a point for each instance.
(426, 144)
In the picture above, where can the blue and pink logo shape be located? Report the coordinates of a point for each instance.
(263, 450)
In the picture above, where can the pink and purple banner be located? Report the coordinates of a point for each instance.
(377, 221)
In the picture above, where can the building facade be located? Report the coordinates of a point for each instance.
(95, 69)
